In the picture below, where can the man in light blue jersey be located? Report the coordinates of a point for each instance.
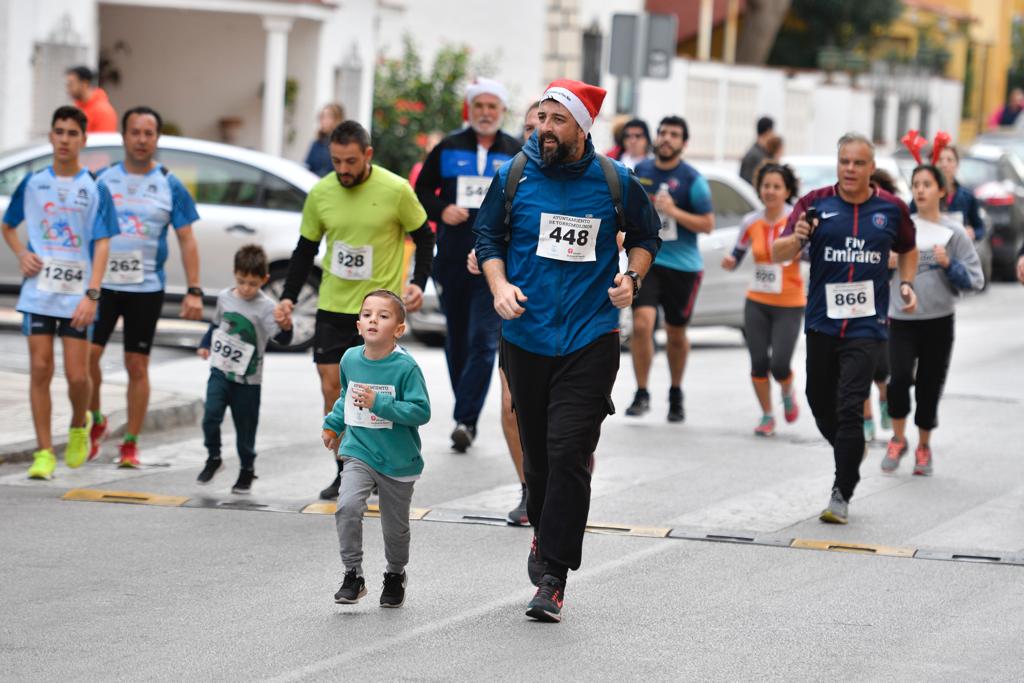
(148, 199)
(69, 218)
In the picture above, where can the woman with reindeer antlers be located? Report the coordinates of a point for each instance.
(921, 341)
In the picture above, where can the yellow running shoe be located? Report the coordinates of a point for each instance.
(43, 465)
(78, 444)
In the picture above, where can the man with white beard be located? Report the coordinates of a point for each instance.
(451, 186)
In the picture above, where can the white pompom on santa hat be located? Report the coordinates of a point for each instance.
(581, 99)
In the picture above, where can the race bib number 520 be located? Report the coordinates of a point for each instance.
(568, 238)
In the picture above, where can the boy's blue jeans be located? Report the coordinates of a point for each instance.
(244, 401)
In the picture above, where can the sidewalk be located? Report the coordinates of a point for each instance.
(18, 440)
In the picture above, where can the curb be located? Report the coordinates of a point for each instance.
(178, 411)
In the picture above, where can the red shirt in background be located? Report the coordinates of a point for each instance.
(100, 113)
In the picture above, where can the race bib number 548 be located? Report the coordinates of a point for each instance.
(568, 238)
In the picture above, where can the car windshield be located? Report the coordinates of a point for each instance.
(974, 172)
(813, 176)
(1013, 144)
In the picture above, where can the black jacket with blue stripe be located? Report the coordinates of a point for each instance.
(438, 180)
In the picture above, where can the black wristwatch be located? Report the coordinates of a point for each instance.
(195, 291)
(92, 294)
(636, 281)
(908, 283)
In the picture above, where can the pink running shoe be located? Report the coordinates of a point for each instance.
(766, 427)
(790, 408)
(923, 461)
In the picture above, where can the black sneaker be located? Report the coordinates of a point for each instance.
(352, 588)
(331, 492)
(535, 566)
(640, 405)
(462, 437)
(518, 516)
(393, 594)
(547, 601)
(213, 466)
(675, 406)
(244, 483)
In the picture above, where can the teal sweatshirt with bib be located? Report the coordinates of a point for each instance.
(386, 438)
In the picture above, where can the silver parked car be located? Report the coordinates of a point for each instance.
(242, 196)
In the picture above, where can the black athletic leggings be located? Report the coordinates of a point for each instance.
(919, 353)
(771, 333)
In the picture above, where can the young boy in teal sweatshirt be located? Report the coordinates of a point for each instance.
(383, 400)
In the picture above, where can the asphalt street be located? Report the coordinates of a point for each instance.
(109, 591)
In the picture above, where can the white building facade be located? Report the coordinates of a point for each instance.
(250, 72)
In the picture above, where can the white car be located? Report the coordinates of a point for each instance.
(242, 197)
(722, 293)
(819, 170)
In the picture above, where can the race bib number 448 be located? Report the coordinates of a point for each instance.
(568, 238)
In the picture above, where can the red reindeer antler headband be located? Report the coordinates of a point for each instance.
(915, 142)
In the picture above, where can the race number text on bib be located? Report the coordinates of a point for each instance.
(767, 278)
(669, 229)
(470, 191)
(230, 354)
(361, 417)
(352, 263)
(62, 277)
(125, 268)
(568, 238)
(850, 299)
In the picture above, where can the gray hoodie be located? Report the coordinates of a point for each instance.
(938, 288)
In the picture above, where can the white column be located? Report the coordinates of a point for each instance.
(274, 75)
(704, 28)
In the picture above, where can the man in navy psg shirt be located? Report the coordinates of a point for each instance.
(848, 242)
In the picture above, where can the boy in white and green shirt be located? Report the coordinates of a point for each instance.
(373, 428)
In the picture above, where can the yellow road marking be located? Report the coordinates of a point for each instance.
(845, 547)
(371, 510)
(130, 497)
(628, 530)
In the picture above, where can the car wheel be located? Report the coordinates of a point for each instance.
(304, 315)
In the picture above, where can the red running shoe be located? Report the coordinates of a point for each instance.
(129, 455)
(923, 461)
(96, 436)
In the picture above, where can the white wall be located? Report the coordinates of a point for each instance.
(722, 104)
(22, 24)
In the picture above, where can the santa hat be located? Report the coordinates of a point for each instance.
(581, 99)
(483, 86)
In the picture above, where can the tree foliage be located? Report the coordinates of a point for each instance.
(409, 104)
(813, 24)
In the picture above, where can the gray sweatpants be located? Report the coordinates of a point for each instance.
(357, 482)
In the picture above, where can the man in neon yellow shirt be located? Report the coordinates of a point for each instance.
(365, 213)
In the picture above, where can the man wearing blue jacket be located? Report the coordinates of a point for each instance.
(550, 257)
